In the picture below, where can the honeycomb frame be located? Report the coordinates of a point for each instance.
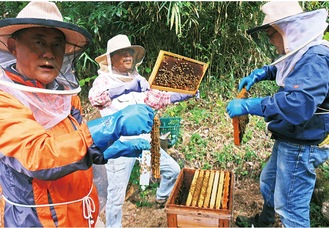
(177, 73)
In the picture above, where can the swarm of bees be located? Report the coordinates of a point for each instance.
(155, 147)
(178, 73)
(144, 163)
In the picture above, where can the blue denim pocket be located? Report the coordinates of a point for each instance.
(318, 156)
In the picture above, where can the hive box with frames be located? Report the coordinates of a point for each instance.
(201, 198)
(177, 73)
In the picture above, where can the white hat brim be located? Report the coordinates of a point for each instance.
(139, 53)
(265, 26)
(76, 37)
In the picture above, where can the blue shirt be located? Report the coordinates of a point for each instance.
(292, 111)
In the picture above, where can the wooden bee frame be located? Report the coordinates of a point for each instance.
(240, 122)
(177, 73)
(155, 147)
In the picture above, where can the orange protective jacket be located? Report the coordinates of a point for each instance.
(46, 175)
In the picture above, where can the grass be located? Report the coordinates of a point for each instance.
(206, 136)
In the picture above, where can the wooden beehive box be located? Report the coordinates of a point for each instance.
(188, 207)
(177, 73)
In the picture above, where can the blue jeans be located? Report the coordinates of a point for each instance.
(288, 180)
(118, 174)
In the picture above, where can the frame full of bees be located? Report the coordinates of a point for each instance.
(155, 147)
(177, 73)
(240, 122)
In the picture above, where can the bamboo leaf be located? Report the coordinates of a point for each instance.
(173, 13)
(169, 13)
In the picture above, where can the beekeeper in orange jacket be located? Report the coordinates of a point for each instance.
(46, 152)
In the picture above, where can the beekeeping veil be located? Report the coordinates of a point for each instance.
(299, 30)
(52, 104)
(117, 43)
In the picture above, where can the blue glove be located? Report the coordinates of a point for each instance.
(132, 120)
(138, 84)
(131, 148)
(177, 97)
(143, 83)
(240, 107)
(255, 76)
(125, 88)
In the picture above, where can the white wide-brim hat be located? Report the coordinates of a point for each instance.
(120, 42)
(44, 14)
(275, 11)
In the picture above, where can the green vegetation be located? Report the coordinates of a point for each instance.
(206, 137)
(212, 32)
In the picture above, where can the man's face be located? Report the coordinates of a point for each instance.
(276, 40)
(39, 53)
(122, 60)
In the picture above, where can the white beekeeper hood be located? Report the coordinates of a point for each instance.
(299, 30)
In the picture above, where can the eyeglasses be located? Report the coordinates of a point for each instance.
(270, 35)
(123, 52)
